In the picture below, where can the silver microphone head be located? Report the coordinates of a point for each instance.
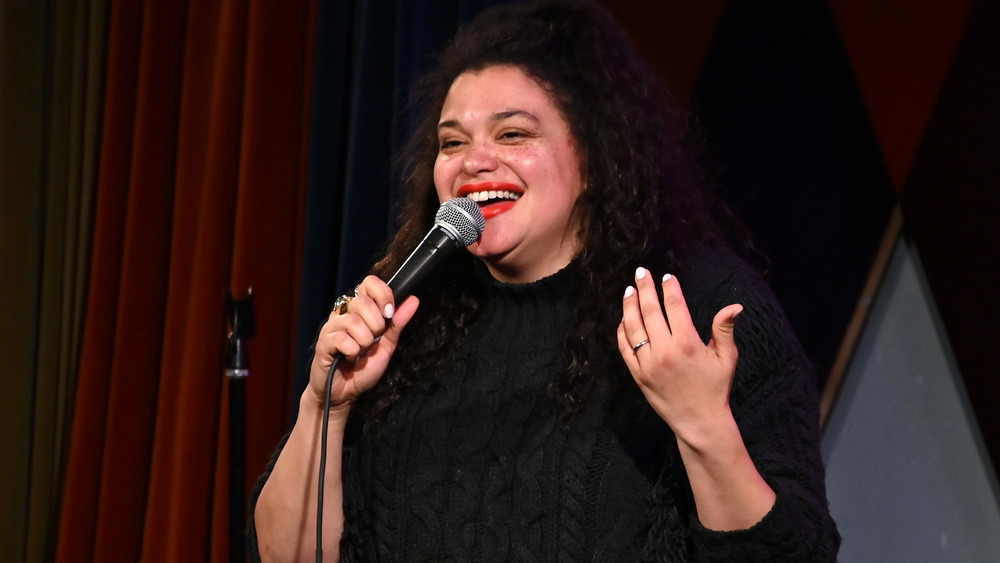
(462, 218)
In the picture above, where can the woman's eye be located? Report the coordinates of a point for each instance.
(511, 134)
(449, 144)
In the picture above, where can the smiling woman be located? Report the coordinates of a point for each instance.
(536, 399)
(499, 133)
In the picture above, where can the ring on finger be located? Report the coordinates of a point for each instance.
(340, 305)
(639, 345)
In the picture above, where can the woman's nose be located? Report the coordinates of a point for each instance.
(480, 158)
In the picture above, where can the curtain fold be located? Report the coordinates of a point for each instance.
(23, 88)
(77, 55)
(190, 384)
(109, 454)
(51, 66)
(200, 187)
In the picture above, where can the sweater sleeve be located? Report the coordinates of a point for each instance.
(774, 402)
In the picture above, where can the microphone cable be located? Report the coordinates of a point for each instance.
(322, 459)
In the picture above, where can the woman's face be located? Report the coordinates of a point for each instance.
(504, 144)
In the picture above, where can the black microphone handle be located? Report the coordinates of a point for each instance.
(431, 251)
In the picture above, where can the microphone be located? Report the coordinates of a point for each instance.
(457, 224)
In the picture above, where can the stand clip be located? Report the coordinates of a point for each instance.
(243, 326)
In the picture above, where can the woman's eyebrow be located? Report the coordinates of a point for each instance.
(498, 116)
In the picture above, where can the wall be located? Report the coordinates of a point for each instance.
(907, 475)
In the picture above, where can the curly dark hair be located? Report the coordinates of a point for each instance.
(642, 203)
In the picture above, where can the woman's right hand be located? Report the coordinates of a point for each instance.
(366, 336)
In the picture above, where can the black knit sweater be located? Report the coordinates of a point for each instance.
(482, 467)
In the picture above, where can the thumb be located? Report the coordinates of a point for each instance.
(723, 328)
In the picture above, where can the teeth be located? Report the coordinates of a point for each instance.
(493, 194)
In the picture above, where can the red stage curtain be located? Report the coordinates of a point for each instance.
(201, 187)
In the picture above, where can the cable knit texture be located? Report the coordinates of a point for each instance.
(481, 467)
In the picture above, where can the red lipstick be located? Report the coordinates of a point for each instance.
(505, 196)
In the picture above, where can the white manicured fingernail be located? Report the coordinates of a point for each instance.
(387, 313)
(666, 277)
(640, 273)
(629, 291)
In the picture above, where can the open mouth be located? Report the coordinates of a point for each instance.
(492, 198)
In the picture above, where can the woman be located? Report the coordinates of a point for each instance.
(518, 410)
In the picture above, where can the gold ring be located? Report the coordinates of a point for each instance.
(340, 305)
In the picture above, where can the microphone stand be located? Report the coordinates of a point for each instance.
(242, 326)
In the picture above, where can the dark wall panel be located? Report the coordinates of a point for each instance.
(819, 120)
(952, 208)
(790, 147)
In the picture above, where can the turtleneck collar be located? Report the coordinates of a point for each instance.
(560, 286)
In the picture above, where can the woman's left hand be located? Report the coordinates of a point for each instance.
(685, 381)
